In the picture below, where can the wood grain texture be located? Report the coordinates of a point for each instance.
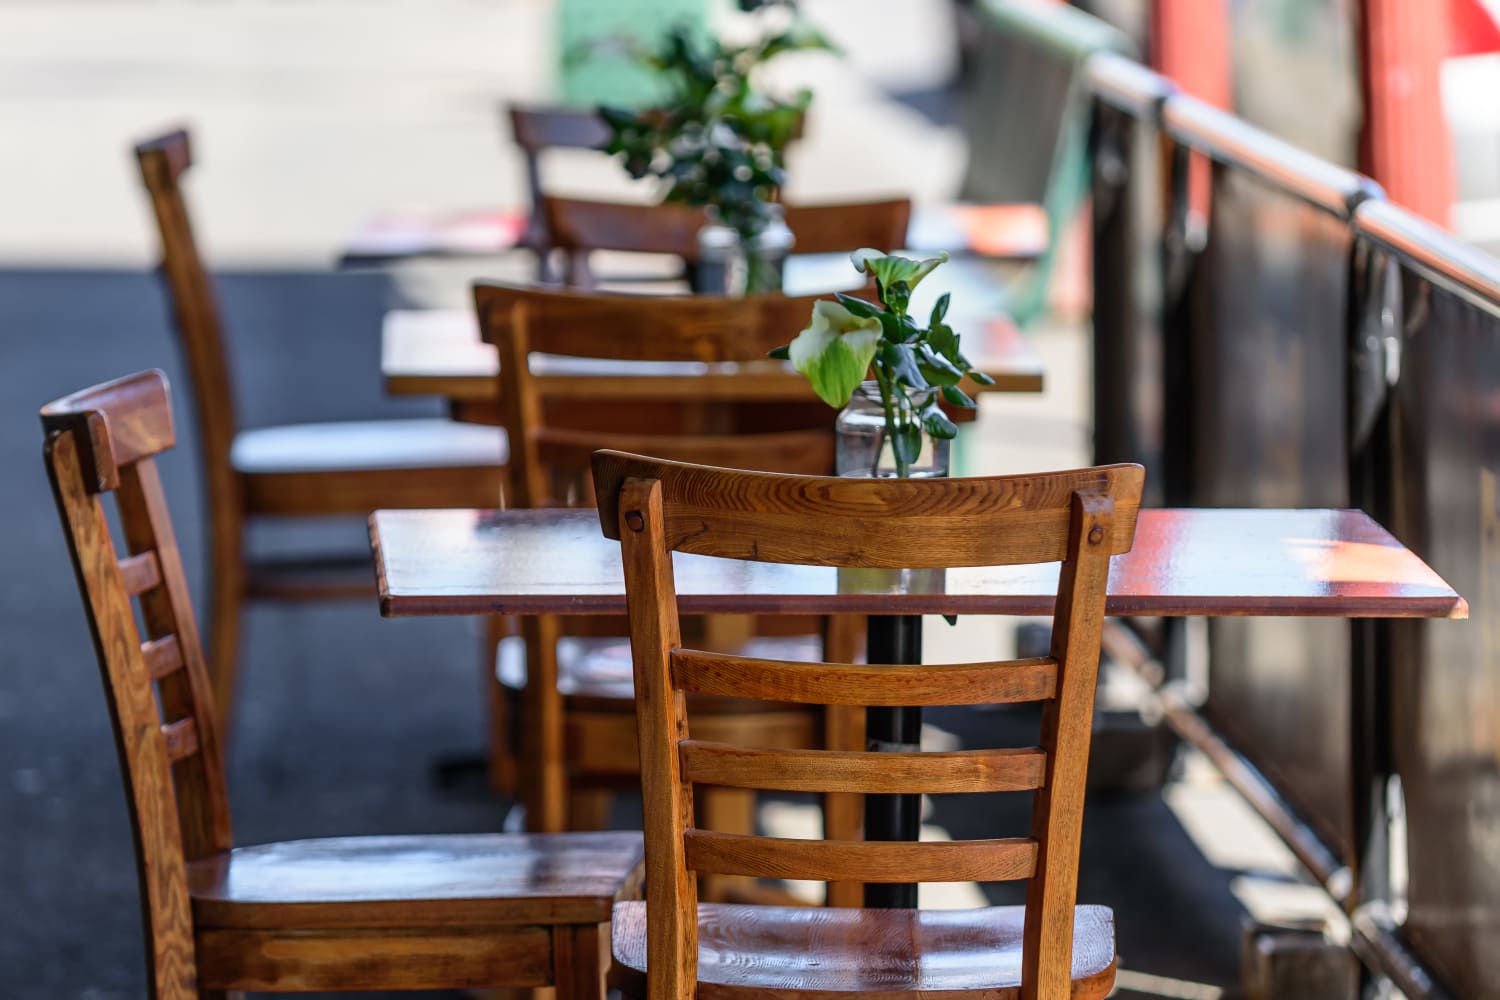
(660, 507)
(304, 961)
(140, 573)
(440, 353)
(999, 860)
(550, 466)
(1003, 770)
(851, 522)
(1067, 726)
(747, 952)
(667, 798)
(580, 226)
(1319, 563)
(853, 684)
(399, 913)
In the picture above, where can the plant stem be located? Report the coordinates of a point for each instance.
(884, 380)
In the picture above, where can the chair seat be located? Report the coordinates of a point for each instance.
(748, 951)
(449, 880)
(348, 446)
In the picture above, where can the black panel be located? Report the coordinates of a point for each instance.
(1267, 316)
(1446, 675)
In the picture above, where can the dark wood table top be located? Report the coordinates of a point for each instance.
(1321, 563)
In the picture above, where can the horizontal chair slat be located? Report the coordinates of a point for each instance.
(163, 656)
(182, 739)
(141, 572)
(853, 684)
(871, 773)
(860, 861)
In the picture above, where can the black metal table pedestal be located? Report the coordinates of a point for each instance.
(893, 639)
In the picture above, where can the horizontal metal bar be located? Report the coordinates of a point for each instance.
(1436, 255)
(1127, 85)
(1236, 143)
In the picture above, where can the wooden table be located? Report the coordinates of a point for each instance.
(1324, 563)
(1186, 562)
(438, 352)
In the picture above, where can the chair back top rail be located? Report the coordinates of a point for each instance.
(887, 523)
(703, 328)
(1234, 142)
(832, 227)
(1125, 84)
(1438, 256)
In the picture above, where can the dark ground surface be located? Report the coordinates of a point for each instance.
(343, 715)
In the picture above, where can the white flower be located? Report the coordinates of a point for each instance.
(835, 351)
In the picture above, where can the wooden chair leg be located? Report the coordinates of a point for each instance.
(226, 609)
(500, 758)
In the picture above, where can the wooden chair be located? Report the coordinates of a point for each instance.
(580, 227)
(360, 913)
(294, 470)
(535, 129)
(578, 724)
(672, 946)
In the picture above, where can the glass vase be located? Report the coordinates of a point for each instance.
(863, 448)
(729, 264)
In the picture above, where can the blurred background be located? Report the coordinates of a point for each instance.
(310, 119)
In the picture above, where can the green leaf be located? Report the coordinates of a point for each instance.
(901, 360)
(897, 296)
(938, 423)
(980, 377)
(937, 369)
(939, 309)
(957, 397)
(780, 353)
(859, 307)
(898, 329)
(944, 341)
(906, 442)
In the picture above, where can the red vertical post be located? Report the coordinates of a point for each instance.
(1405, 143)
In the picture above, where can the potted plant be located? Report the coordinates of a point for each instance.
(718, 141)
(890, 424)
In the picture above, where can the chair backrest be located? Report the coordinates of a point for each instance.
(104, 440)
(580, 226)
(548, 463)
(536, 128)
(1080, 518)
(195, 308)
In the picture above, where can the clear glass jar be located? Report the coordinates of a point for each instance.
(862, 447)
(721, 261)
(765, 257)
